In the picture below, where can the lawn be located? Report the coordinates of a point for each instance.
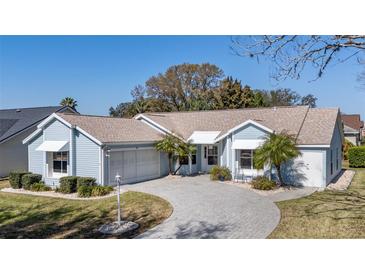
(326, 214)
(23, 216)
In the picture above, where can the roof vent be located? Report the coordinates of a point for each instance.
(18, 110)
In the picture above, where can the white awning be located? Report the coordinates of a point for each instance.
(247, 144)
(53, 146)
(203, 137)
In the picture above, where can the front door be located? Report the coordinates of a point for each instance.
(209, 157)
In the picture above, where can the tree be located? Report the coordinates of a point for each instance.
(280, 97)
(309, 100)
(276, 150)
(124, 110)
(182, 86)
(69, 102)
(291, 54)
(175, 148)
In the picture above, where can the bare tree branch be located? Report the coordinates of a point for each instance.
(291, 54)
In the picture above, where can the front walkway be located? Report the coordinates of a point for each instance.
(205, 209)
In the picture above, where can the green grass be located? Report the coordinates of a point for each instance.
(24, 216)
(326, 214)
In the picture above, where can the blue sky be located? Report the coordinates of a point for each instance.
(100, 71)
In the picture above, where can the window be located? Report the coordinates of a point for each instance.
(185, 160)
(60, 162)
(212, 155)
(337, 164)
(331, 162)
(246, 159)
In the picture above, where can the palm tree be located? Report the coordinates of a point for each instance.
(168, 145)
(276, 150)
(69, 102)
(174, 147)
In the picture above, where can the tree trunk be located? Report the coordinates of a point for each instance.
(278, 168)
(177, 169)
(170, 163)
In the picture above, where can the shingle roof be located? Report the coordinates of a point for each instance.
(348, 129)
(310, 126)
(13, 121)
(352, 121)
(113, 130)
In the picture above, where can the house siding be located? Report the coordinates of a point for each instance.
(249, 132)
(56, 131)
(87, 157)
(14, 154)
(336, 148)
(36, 160)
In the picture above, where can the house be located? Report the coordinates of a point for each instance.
(103, 147)
(15, 125)
(353, 128)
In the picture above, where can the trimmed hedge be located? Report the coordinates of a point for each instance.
(357, 156)
(68, 184)
(263, 183)
(220, 173)
(40, 187)
(94, 191)
(85, 181)
(15, 178)
(101, 190)
(84, 191)
(30, 179)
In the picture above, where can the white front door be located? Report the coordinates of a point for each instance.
(209, 157)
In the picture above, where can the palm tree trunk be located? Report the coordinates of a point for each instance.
(280, 177)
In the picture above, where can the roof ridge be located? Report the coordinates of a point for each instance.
(221, 110)
(93, 116)
(302, 124)
(32, 107)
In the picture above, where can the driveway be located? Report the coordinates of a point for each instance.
(205, 209)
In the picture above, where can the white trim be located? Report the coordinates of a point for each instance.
(130, 148)
(89, 136)
(49, 119)
(32, 135)
(314, 146)
(100, 166)
(141, 116)
(242, 125)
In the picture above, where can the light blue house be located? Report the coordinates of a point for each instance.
(102, 147)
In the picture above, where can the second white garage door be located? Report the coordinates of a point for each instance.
(135, 165)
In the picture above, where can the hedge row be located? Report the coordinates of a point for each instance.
(70, 184)
(23, 179)
(357, 156)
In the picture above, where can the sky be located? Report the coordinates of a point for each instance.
(100, 71)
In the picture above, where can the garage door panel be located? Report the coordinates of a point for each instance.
(135, 165)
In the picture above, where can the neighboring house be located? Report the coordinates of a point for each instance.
(15, 125)
(102, 147)
(353, 128)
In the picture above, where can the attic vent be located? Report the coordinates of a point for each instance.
(18, 110)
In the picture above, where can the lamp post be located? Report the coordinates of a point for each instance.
(117, 179)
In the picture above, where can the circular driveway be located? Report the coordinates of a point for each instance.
(205, 209)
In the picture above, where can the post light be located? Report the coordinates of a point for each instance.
(117, 179)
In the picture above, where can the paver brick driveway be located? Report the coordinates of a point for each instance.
(205, 209)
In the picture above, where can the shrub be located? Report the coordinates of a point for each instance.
(30, 179)
(347, 145)
(84, 191)
(357, 156)
(68, 184)
(263, 183)
(15, 178)
(85, 181)
(220, 173)
(101, 190)
(40, 187)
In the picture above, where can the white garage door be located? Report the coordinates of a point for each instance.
(310, 168)
(135, 165)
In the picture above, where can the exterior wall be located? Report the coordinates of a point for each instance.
(36, 159)
(56, 131)
(87, 157)
(249, 132)
(309, 169)
(354, 139)
(14, 154)
(164, 164)
(336, 148)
